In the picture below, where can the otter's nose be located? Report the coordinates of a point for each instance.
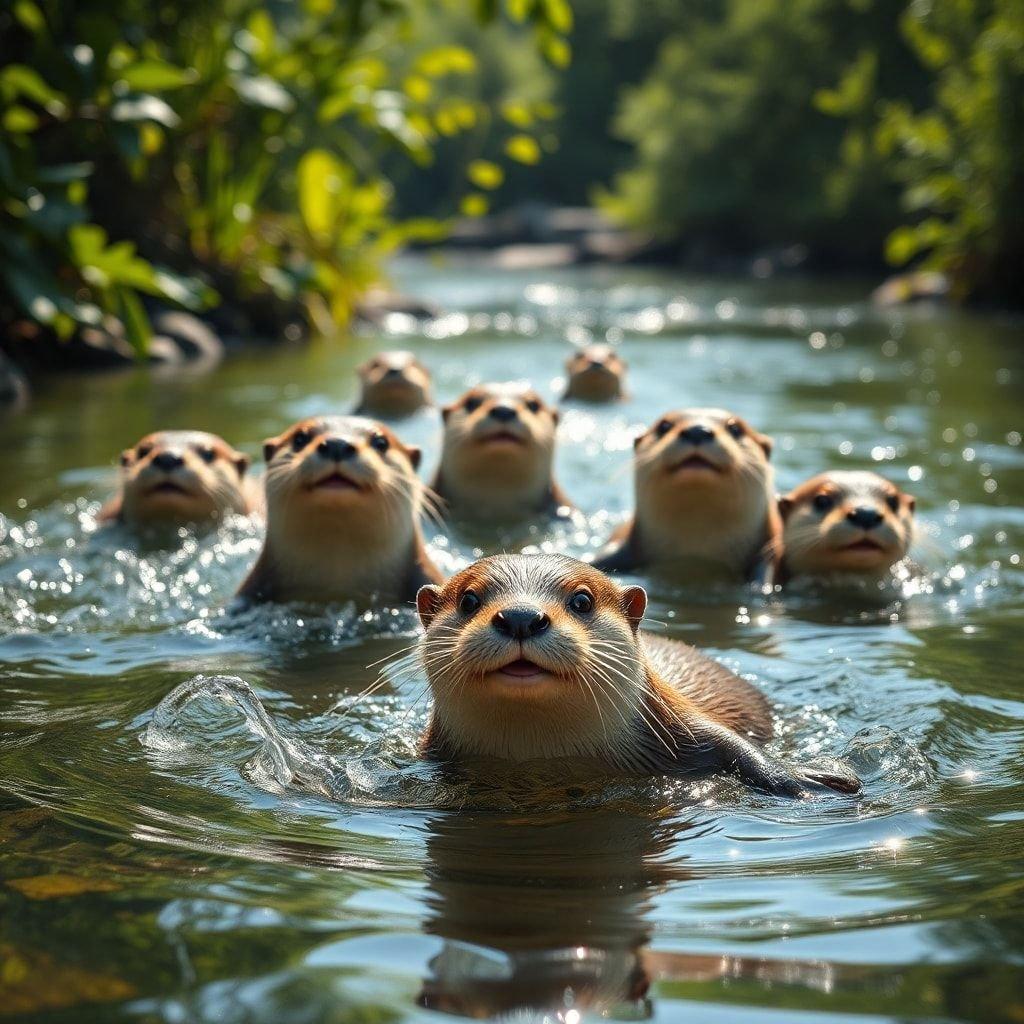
(864, 517)
(337, 449)
(393, 373)
(697, 434)
(502, 413)
(520, 623)
(168, 461)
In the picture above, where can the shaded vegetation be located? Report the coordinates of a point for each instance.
(223, 150)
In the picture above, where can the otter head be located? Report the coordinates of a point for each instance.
(340, 474)
(596, 374)
(174, 477)
(532, 656)
(499, 443)
(846, 522)
(703, 486)
(393, 384)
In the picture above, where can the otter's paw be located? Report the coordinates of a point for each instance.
(826, 773)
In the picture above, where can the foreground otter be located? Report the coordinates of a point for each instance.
(178, 477)
(844, 524)
(705, 504)
(393, 385)
(343, 507)
(540, 656)
(496, 460)
(596, 374)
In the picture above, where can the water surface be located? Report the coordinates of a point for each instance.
(255, 847)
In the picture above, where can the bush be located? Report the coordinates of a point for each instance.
(205, 150)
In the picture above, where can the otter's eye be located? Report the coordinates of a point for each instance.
(143, 450)
(533, 405)
(663, 427)
(581, 603)
(380, 443)
(735, 428)
(472, 404)
(469, 603)
(823, 502)
(893, 502)
(300, 439)
(207, 454)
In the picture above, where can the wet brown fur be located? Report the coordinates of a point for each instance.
(189, 444)
(394, 573)
(679, 711)
(749, 545)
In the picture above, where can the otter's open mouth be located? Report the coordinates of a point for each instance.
(864, 544)
(523, 670)
(502, 437)
(169, 487)
(336, 482)
(696, 462)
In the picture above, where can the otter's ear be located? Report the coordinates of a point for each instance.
(446, 411)
(766, 444)
(428, 600)
(126, 457)
(270, 446)
(634, 604)
(785, 507)
(415, 455)
(911, 503)
(242, 462)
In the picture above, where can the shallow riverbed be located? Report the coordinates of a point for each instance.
(192, 831)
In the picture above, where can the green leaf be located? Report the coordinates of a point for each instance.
(19, 80)
(136, 323)
(20, 120)
(30, 16)
(322, 182)
(156, 75)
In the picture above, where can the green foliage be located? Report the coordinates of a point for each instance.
(194, 150)
(838, 123)
(961, 158)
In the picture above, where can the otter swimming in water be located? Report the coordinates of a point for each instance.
(705, 503)
(496, 459)
(343, 507)
(541, 656)
(176, 478)
(393, 385)
(844, 524)
(596, 374)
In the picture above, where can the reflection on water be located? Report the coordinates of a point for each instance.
(201, 822)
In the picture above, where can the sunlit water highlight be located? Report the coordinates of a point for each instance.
(202, 822)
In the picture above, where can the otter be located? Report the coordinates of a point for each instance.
(844, 524)
(393, 385)
(496, 458)
(541, 656)
(343, 506)
(596, 374)
(705, 504)
(175, 478)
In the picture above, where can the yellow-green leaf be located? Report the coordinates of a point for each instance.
(485, 174)
(523, 149)
(474, 205)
